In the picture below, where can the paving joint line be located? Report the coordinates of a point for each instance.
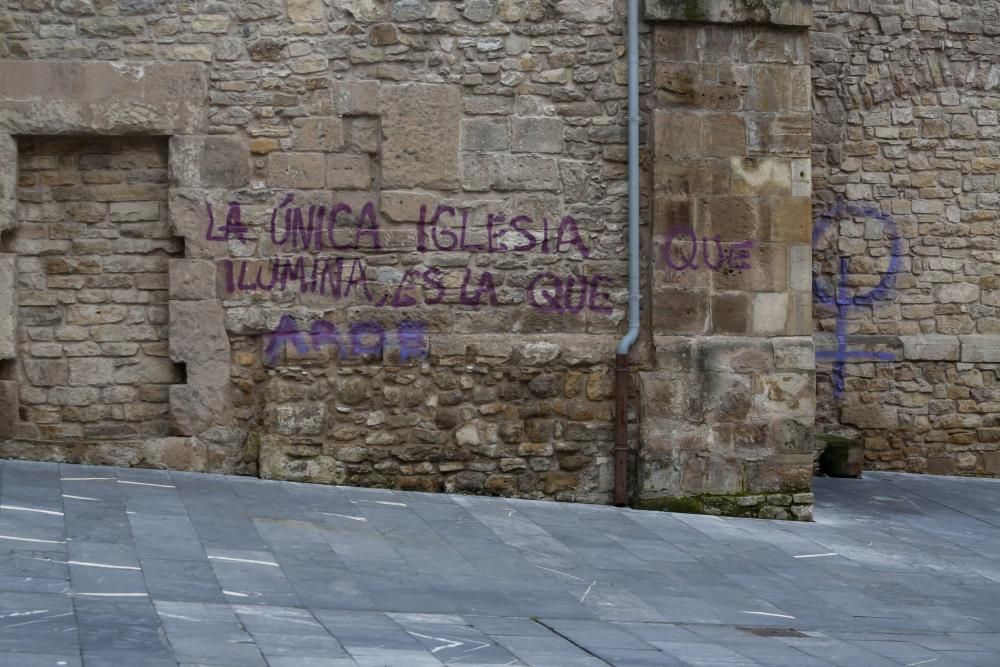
(579, 646)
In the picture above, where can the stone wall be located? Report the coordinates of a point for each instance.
(402, 223)
(728, 400)
(92, 247)
(906, 160)
(404, 238)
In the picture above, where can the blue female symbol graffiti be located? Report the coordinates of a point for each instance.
(838, 296)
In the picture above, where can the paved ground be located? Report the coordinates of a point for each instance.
(138, 568)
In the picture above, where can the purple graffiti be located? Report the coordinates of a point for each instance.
(361, 339)
(522, 230)
(571, 294)
(343, 277)
(234, 227)
(839, 297)
(441, 228)
(711, 254)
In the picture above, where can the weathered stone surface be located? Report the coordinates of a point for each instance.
(930, 348)
(421, 130)
(980, 348)
(37, 97)
(8, 180)
(776, 12)
(306, 11)
(192, 279)
(8, 306)
(198, 338)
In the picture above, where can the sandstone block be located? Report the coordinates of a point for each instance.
(307, 419)
(870, 416)
(46, 373)
(198, 332)
(153, 98)
(731, 312)
(348, 172)
(680, 311)
(957, 293)
(8, 180)
(356, 98)
(319, 134)
(8, 408)
(296, 170)
(82, 314)
(134, 211)
(421, 130)
(306, 11)
(8, 305)
(794, 353)
(796, 13)
(192, 279)
(586, 11)
(980, 348)
(485, 134)
(193, 409)
(255, 10)
(930, 347)
(86, 371)
(769, 313)
(761, 176)
(537, 135)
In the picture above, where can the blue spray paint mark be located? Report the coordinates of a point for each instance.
(839, 296)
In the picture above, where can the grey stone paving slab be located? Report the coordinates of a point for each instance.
(148, 568)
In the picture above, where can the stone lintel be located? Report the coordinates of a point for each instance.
(71, 97)
(793, 13)
(930, 348)
(985, 349)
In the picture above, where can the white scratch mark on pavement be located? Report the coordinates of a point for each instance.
(531, 551)
(244, 560)
(448, 643)
(765, 613)
(115, 595)
(23, 613)
(87, 479)
(922, 662)
(587, 592)
(346, 516)
(239, 595)
(18, 508)
(816, 555)
(37, 620)
(565, 574)
(162, 486)
(381, 502)
(66, 495)
(178, 617)
(29, 539)
(83, 563)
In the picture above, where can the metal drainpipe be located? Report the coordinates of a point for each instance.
(625, 344)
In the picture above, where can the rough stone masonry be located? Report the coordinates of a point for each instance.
(906, 162)
(383, 242)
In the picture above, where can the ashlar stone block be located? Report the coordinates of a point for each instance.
(421, 130)
(8, 306)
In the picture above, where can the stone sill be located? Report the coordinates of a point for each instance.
(931, 347)
(794, 13)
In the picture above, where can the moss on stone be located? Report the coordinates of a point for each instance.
(694, 11)
(724, 505)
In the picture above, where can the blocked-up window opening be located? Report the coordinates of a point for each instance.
(93, 244)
